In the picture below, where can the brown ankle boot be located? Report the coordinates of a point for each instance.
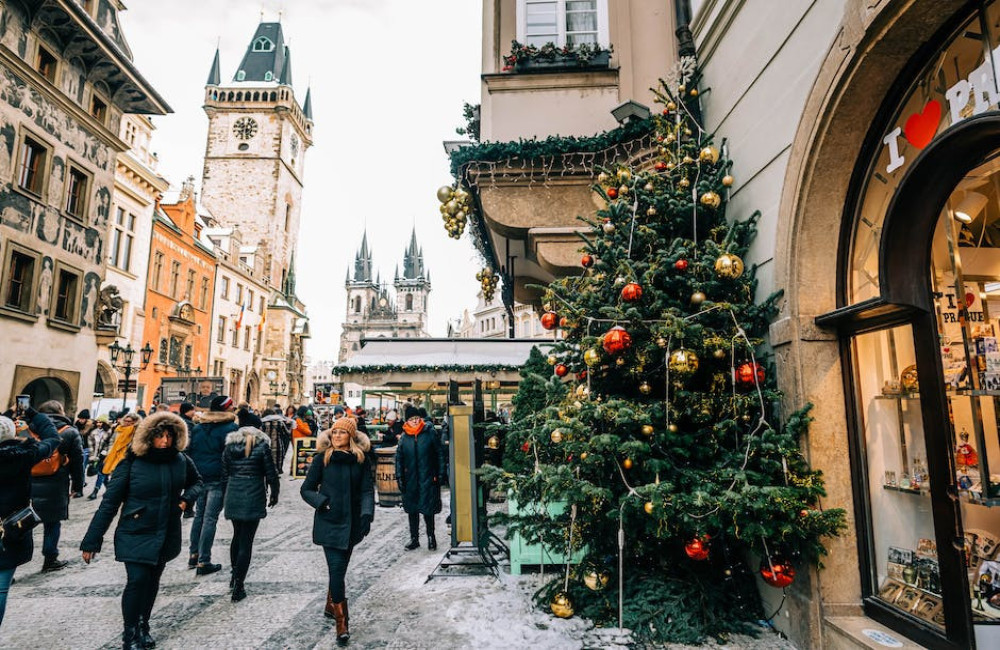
(329, 610)
(340, 613)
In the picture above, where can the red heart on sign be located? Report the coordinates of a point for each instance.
(969, 299)
(920, 128)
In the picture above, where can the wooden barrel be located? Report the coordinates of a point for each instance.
(385, 478)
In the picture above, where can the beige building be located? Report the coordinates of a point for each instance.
(490, 320)
(138, 189)
(66, 80)
(866, 133)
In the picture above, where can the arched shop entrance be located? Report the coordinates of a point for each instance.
(44, 389)
(909, 345)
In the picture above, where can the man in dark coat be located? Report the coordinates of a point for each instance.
(150, 487)
(245, 417)
(17, 457)
(279, 432)
(186, 410)
(50, 494)
(420, 467)
(207, 442)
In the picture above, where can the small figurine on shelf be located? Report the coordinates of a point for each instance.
(890, 478)
(919, 473)
(890, 388)
(965, 454)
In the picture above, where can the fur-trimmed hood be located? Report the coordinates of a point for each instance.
(324, 442)
(240, 436)
(215, 417)
(142, 441)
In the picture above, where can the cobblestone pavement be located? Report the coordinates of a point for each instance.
(392, 605)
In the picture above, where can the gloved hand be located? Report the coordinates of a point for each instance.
(273, 501)
(366, 525)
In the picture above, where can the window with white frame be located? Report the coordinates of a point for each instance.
(563, 22)
(122, 238)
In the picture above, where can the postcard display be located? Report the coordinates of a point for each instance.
(967, 298)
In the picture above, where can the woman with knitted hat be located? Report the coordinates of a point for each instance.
(339, 486)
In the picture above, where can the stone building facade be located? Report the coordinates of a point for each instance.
(66, 80)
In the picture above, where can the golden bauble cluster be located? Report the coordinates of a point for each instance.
(456, 206)
(488, 281)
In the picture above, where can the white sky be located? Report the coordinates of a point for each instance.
(388, 80)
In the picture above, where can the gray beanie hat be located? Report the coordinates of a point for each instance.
(8, 431)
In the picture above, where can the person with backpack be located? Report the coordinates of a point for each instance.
(53, 479)
(152, 485)
(279, 432)
(247, 466)
(17, 456)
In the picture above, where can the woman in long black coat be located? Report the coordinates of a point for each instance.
(247, 465)
(151, 487)
(339, 486)
(420, 471)
(17, 457)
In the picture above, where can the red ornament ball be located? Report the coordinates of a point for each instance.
(749, 374)
(550, 320)
(617, 340)
(660, 166)
(612, 192)
(681, 265)
(561, 370)
(580, 376)
(587, 261)
(697, 548)
(526, 447)
(632, 292)
(777, 572)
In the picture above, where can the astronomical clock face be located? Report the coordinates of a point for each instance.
(245, 128)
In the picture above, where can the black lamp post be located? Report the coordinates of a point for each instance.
(126, 354)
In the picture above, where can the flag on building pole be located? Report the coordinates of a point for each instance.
(239, 319)
(263, 319)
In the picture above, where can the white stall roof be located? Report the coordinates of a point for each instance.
(444, 353)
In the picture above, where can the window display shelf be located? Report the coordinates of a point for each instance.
(920, 490)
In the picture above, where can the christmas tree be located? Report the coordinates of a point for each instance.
(658, 431)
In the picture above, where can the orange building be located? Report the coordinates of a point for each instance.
(179, 293)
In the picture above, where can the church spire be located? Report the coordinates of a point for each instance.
(307, 106)
(363, 262)
(413, 259)
(286, 69)
(266, 58)
(214, 75)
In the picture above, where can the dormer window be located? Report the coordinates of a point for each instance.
(268, 76)
(263, 44)
(240, 76)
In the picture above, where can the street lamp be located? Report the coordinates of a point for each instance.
(126, 354)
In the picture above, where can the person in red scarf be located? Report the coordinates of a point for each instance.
(420, 471)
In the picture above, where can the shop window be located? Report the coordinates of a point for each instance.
(33, 161)
(46, 63)
(77, 184)
(19, 280)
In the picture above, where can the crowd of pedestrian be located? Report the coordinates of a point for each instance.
(199, 463)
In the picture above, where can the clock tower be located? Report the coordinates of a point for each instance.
(258, 134)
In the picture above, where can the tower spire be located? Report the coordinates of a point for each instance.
(214, 75)
(307, 106)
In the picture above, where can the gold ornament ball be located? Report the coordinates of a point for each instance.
(649, 187)
(694, 92)
(583, 455)
(493, 442)
(619, 361)
(608, 227)
(591, 357)
(627, 463)
(671, 138)
(651, 211)
(602, 178)
(596, 580)
(729, 266)
(683, 362)
(681, 88)
(719, 354)
(647, 429)
(672, 428)
(623, 190)
(728, 180)
(698, 297)
(556, 436)
(562, 605)
(661, 342)
(444, 194)
(709, 155)
(671, 106)
(684, 182)
(711, 199)
(552, 359)
(582, 390)
(648, 507)
(624, 174)
(645, 388)
(687, 160)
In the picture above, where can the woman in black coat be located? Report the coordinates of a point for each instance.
(420, 471)
(152, 487)
(339, 486)
(17, 456)
(246, 465)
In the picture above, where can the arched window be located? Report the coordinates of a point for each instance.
(357, 304)
(256, 96)
(409, 302)
(263, 44)
(164, 347)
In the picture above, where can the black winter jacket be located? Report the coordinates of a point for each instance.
(207, 442)
(148, 487)
(279, 430)
(420, 466)
(245, 476)
(50, 494)
(17, 457)
(342, 492)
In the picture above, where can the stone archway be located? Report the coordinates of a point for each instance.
(252, 390)
(44, 389)
(106, 381)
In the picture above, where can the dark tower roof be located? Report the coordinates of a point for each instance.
(307, 106)
(363, 262)
(266, 56)
(413, 260)
(214, 75)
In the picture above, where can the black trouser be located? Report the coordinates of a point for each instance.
(336, 563)
(415, 524)
(242, 547)
(143, 581)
